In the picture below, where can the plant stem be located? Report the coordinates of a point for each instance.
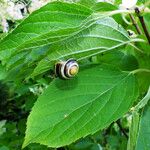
(145, 28)
(141, 18)
(121, 128)
(140, 70)
(135, 24)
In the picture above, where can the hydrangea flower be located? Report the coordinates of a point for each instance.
(10, 10)
(14, 11)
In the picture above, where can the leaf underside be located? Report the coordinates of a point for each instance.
(59, 31)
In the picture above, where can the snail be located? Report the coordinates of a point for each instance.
(66, 69)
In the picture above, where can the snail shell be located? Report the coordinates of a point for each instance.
(66, 69)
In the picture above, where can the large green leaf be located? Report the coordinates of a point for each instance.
(43, 24)
(144, 130)
(59, 31)
(100, 36)
(71, 109)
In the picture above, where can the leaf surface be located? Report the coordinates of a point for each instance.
(97, 37)
(71, 109)
(51, 19)
(59, 31)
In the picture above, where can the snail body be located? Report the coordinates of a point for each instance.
(66, 69)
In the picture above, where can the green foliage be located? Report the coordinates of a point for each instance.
(90, 41)
(144, 130)
(86, 111)
(91, 110)
(138, 128)
(36, 44)
(30, 41)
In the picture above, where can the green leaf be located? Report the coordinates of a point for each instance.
(125, 62)
(3, 148)
(100, 36)
(85, 144)
(88, 3)
(43, 24)
(71, 109)
(28, 42)
(104, 6)
(129, 62)
(59, 31)
(144, 130)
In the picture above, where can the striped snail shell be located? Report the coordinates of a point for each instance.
(66, 69)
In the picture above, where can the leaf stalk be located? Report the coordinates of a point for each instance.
(140, 70)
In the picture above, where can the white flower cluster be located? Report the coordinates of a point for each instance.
(11, 10)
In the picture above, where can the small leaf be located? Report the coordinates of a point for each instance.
(71, 109)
